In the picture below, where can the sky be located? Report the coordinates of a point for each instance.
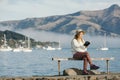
(22, 9)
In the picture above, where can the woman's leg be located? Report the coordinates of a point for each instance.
(85, 62)
(92, 66)
(88, 58)
(81, 55)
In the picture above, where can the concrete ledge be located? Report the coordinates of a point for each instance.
(112, 76)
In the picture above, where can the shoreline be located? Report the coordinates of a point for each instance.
(111, 76)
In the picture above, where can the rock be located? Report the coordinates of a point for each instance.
(72, 71)
(75, 71)
(94, 72)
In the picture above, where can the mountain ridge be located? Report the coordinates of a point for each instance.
(95, 22)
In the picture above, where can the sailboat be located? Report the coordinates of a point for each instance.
(59, 47)
(5, 47)
(53, 48)
(28, 48)
(50, 48)
(105, 43)
(17, 49)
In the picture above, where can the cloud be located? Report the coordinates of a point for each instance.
(21, 9)
(3, 28)
(99, 41)
(65, 40)
(47, 36)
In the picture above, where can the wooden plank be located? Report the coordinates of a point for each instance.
(112, 58)
(61, 59)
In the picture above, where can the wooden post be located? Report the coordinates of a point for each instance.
(59, 67)
(107, 62)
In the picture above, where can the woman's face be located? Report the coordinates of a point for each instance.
(81, 34)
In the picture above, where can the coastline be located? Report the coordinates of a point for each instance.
(111, 76)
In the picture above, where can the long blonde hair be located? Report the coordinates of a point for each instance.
(76, 35)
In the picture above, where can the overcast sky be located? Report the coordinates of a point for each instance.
(21, 9)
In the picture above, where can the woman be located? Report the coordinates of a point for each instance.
(80, 51)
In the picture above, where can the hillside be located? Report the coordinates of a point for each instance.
(14, 38)
(93, 22)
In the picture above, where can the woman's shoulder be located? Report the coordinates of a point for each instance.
(74, 39)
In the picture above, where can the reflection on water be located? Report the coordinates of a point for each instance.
(39, 62)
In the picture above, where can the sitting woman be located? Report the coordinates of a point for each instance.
(79, 47)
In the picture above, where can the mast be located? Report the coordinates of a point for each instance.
(5, 41)
(105, 41)
(28, 42)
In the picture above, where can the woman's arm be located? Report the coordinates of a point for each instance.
(78, 46)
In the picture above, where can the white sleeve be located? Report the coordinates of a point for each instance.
(75, 44)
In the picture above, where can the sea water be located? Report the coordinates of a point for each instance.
(39, 62)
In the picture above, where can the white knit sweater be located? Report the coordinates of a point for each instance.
(78, 46)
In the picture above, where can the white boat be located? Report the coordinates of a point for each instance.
(50, 48)
(28, 48)
(5, 47)
(19, 49)
(105, 44)
(104, 48)
(53, 48)
(59, 48)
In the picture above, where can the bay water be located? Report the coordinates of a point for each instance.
(39, 62)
